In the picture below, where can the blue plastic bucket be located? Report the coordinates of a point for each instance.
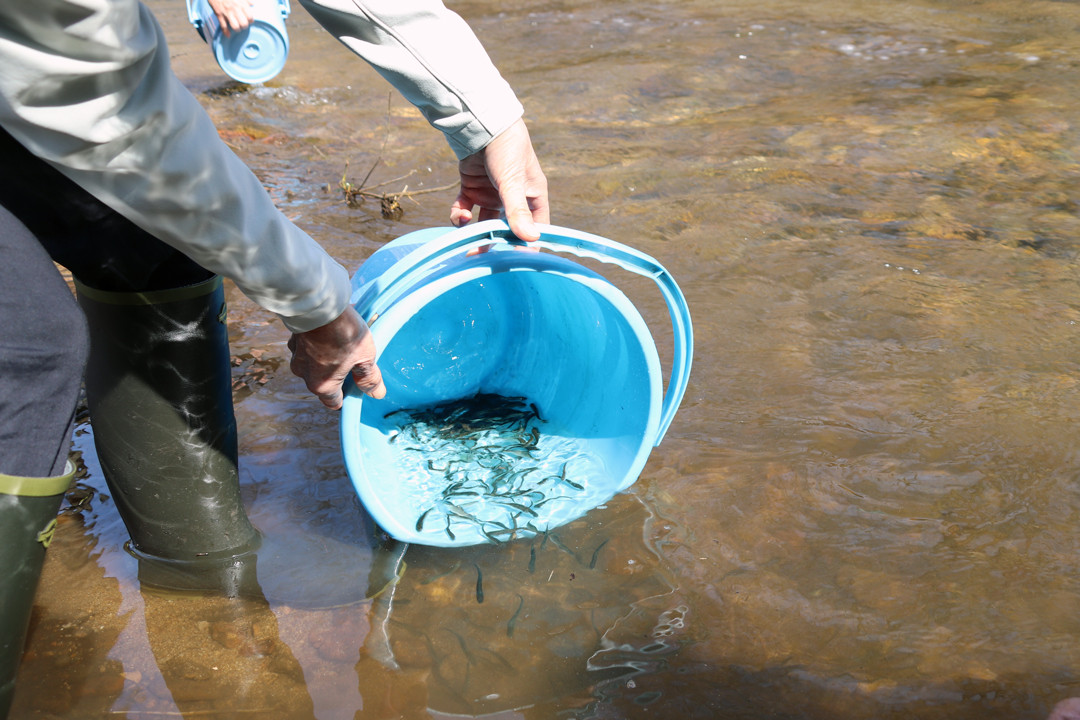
(254, 54)
(511, 323)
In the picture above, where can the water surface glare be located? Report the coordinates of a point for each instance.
(868, 505)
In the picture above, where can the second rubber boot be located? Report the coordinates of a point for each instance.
(158, 384)
(28, 509)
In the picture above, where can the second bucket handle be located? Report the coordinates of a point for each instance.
(410, 269)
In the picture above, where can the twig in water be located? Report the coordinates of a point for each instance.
(397, 179)
(386, 138)
(388, 202)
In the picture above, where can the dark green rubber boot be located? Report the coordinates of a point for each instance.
(28, 509)
(158, 384)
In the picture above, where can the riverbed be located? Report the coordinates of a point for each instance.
(868, 505)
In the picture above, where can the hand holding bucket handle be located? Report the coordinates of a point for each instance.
(391, 284)
(232, 15)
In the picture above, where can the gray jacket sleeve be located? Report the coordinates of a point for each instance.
(432, 57)
(88, 88)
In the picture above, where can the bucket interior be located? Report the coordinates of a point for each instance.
(526, 325)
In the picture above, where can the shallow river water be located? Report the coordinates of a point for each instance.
(869, 503)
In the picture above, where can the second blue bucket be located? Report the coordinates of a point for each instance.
(521, 324)
(252, 55)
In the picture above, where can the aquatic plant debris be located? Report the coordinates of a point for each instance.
(483, 463)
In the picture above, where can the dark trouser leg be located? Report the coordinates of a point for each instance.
(43, 347)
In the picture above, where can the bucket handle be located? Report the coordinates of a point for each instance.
(193, 16)
(410, 269)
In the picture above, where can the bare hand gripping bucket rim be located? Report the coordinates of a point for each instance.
(523, 389)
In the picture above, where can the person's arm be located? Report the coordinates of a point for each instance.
(435, 60)
(95, 97)
(139, 142)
